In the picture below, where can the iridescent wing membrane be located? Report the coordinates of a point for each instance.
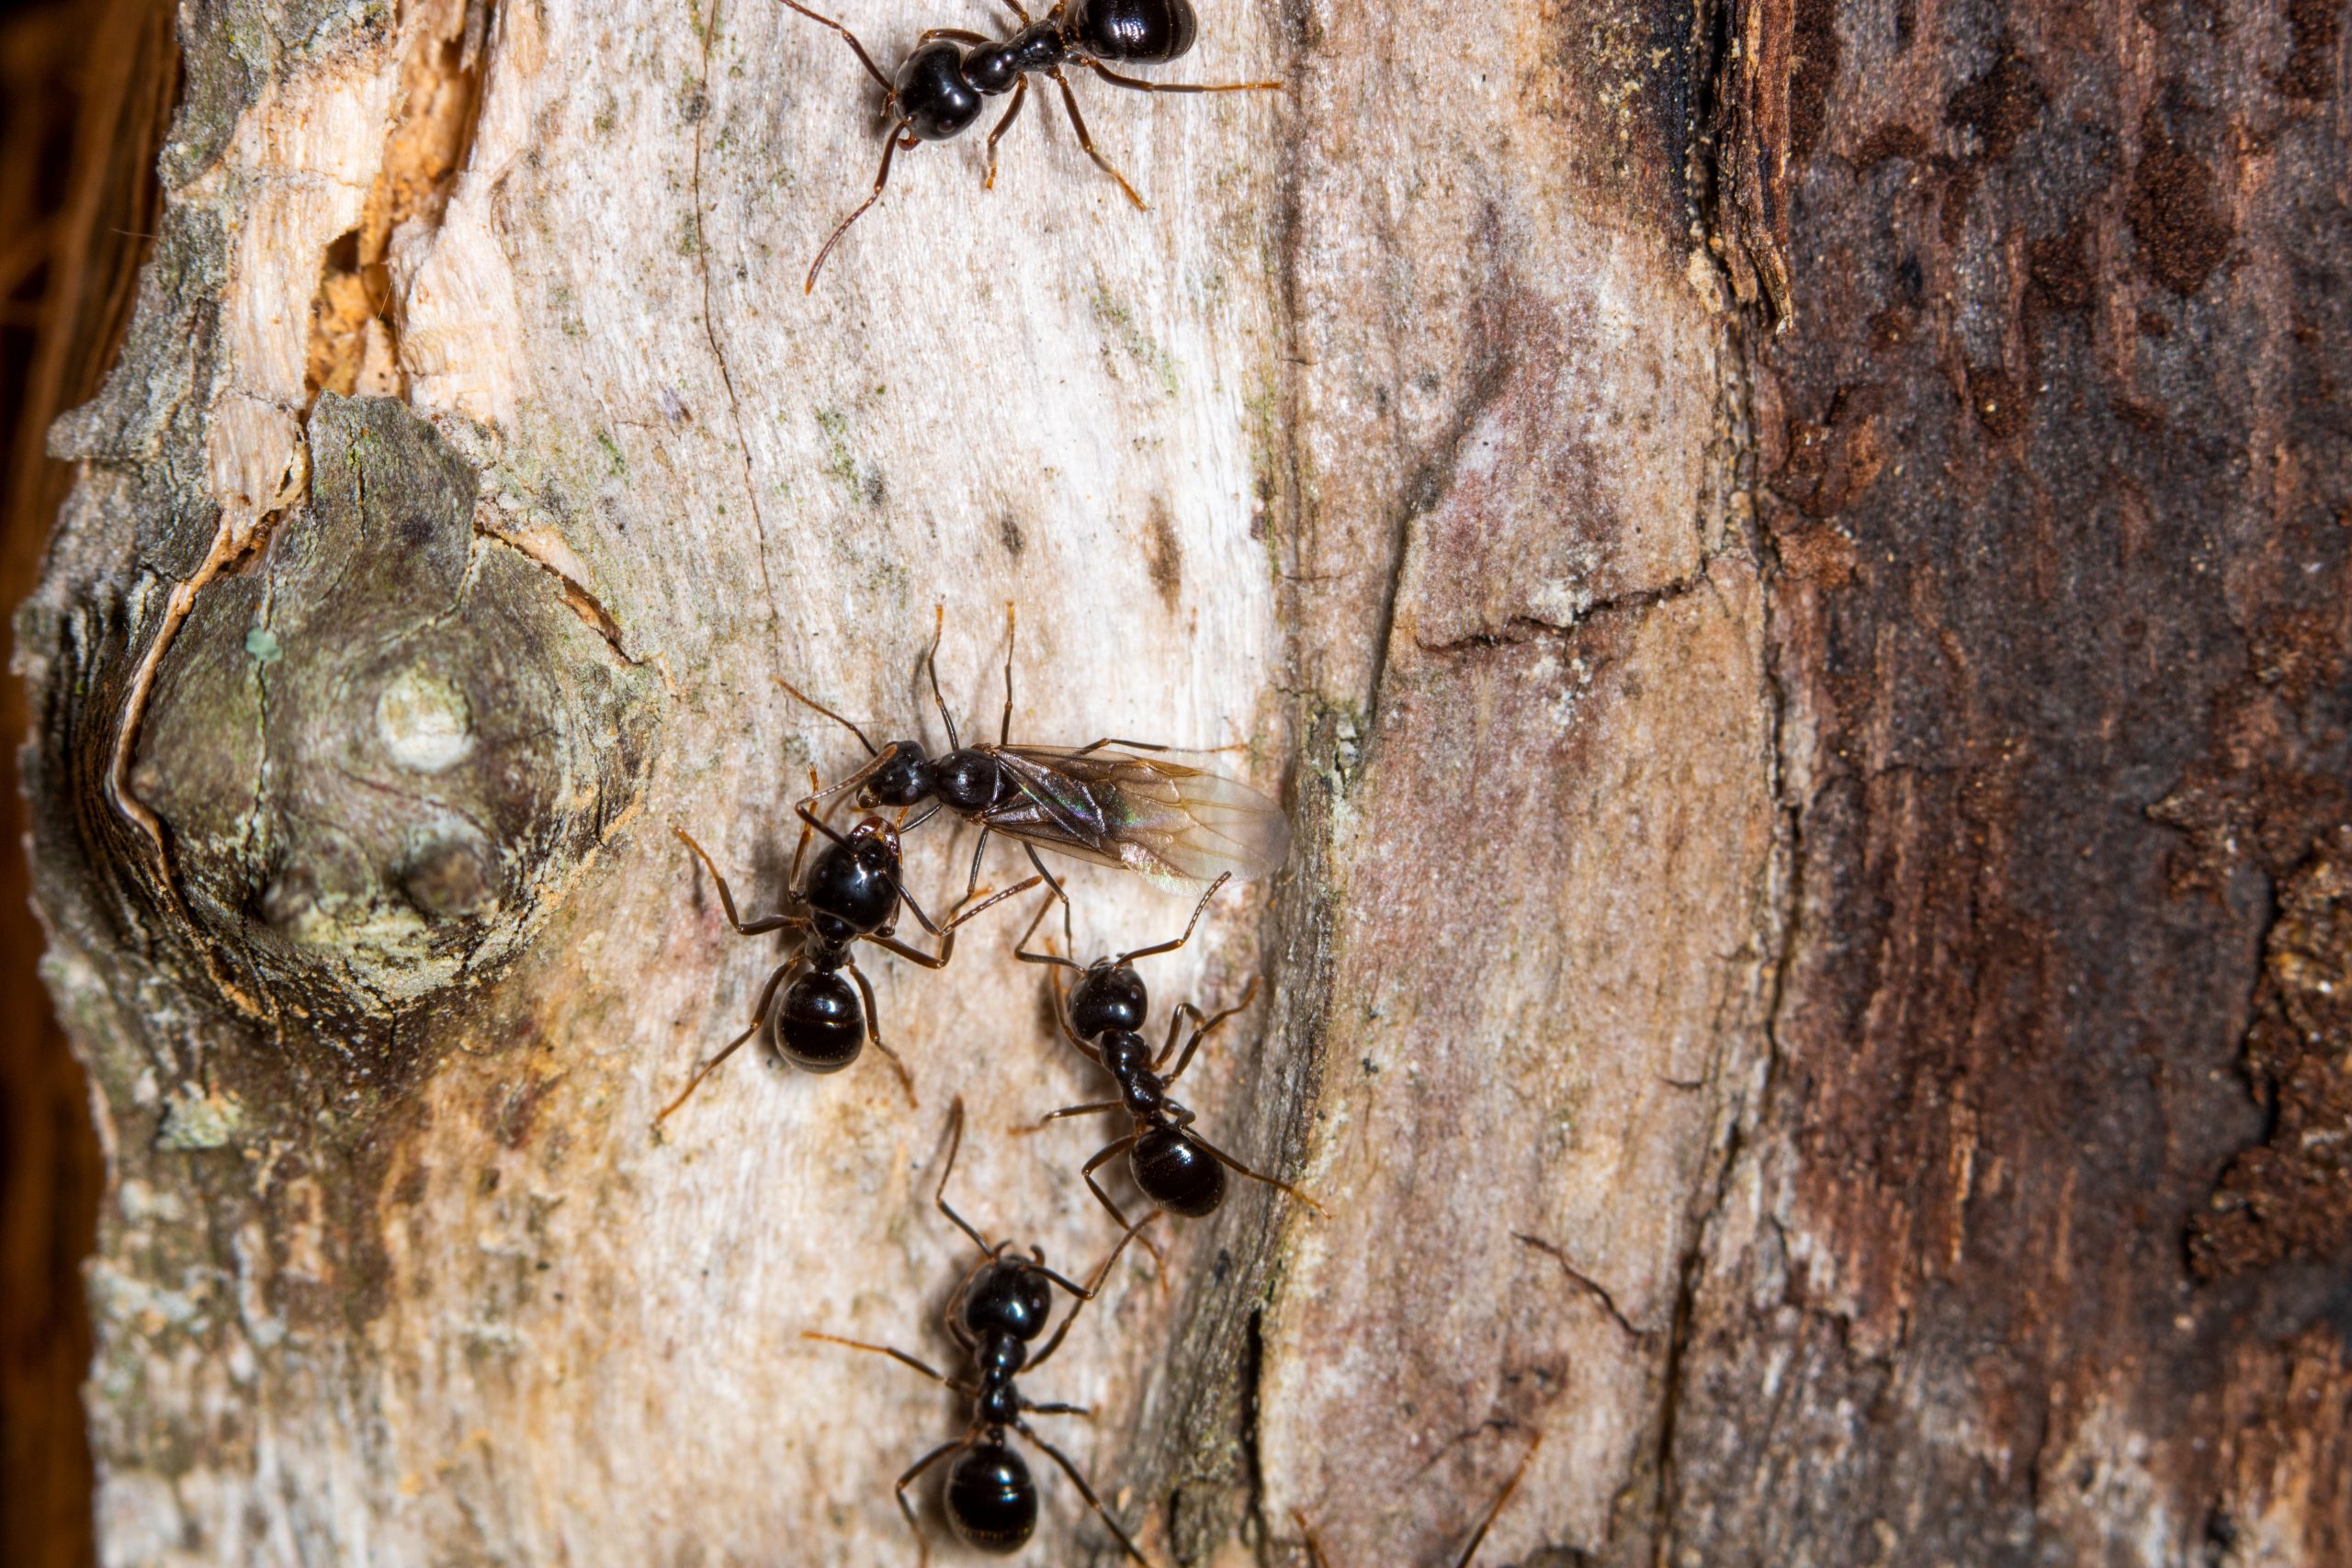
(1172, 825)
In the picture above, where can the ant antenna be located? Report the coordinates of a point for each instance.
(891, 146)
(939, 1196)
(1004, 729)
(871, 749)
(1223, 877)
(931, 662)
(1510, 1487)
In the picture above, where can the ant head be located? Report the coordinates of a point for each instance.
(875, 845)
(902, 777)
(1107, 997)
(1009, 1296)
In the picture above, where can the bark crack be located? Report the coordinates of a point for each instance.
(1521, 630)
(1586, 1283)
(577, 597)
(710, 323)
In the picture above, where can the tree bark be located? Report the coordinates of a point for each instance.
(1788, 565)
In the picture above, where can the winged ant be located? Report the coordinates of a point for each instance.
(1170, 824)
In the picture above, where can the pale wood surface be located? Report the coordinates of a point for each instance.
(1230, 519)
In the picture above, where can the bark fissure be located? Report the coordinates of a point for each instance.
(698, 236)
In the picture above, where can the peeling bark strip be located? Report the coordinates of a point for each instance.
(1789, 830)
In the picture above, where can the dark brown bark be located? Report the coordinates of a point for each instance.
(2056, 475)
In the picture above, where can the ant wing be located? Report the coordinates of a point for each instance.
(1172, 825)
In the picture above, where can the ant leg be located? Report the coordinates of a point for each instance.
(1203, 1033)
(1109, 1154)
(1096, 1109)
(1083, 1490)
(1014, 6)
(1021, 947)
(873, 1032)
(1306, 1533)
(955, 1146)
(1078, 124)
(1140, 85)
(956, 35)
(1060, 892)
(1159, 1261)
(1222, 878)
(1227, 1161)
(800, 851)
(1013, 112)
(863, 58)
(1093, 1288)
(925, 1368)
(971, 884)
(1085, 1410)
(760, 927)
(922, 1540)
(891, 147)
(948, 933)
(1510, 1487)
(758, 1017)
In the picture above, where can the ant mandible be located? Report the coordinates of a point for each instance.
(1174, 1166)
(853, 895)
(938, 91)
(1001, 1306)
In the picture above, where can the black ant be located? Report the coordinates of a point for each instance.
(1477, 1536)
(1177, 1168)
(853, 895)
(939, 86)
(1174, 826)
(1001, 1306)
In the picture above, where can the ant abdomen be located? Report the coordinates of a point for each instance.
(991, 1501)
(1176, 1173)
(820, 1027)
(1141, 32)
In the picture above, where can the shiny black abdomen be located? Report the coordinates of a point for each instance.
(990, 1499)
(1176, 1173)
(1143, 32)
(820, 1027)
(933, 95)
